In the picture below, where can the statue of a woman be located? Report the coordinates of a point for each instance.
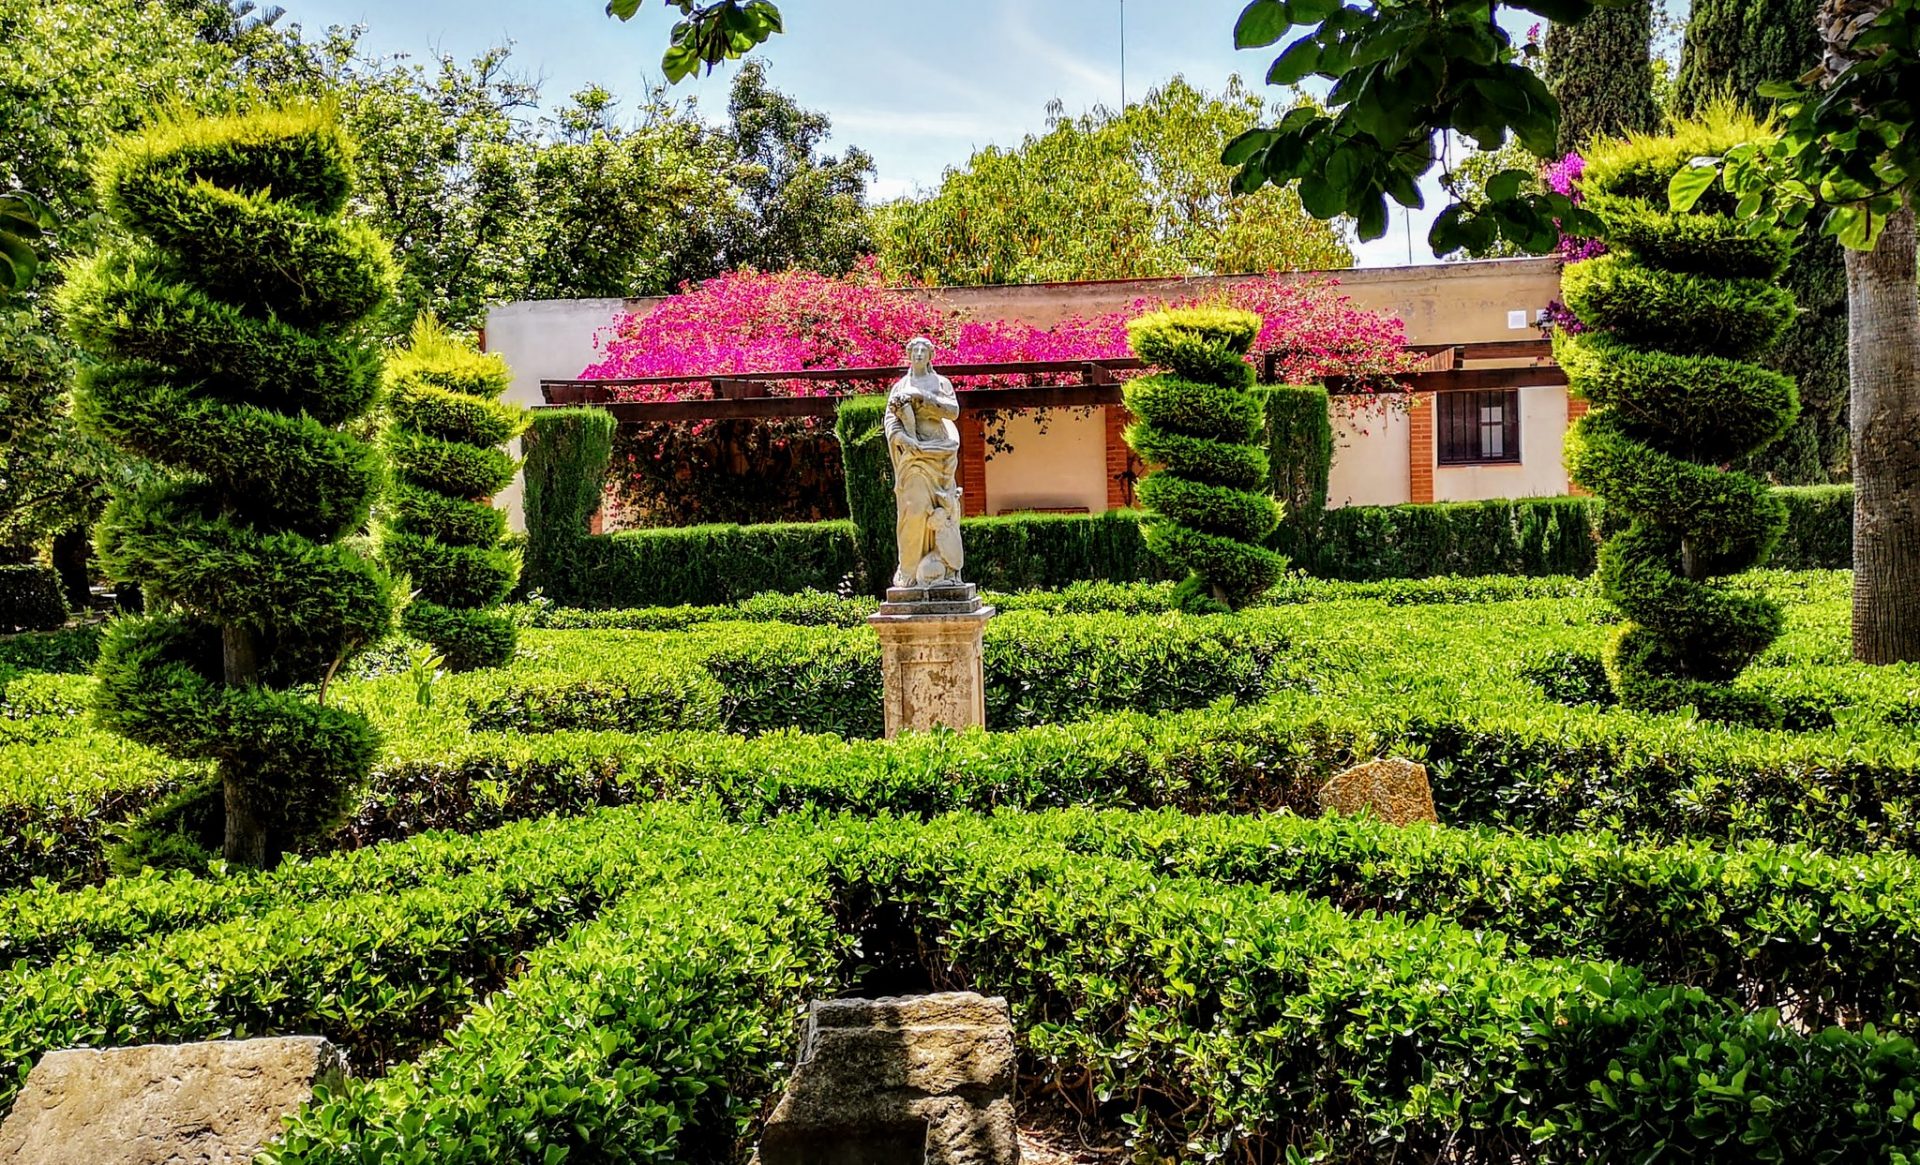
(925, 446)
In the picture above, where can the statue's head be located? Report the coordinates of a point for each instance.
(920, 353)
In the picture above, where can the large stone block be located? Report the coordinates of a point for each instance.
(1393, 790)
(164, 1104)
(900, 1081)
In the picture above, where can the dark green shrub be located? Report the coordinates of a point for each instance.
(1526, 537)
(564, 476)
(1299, 440)
(31, 598)
(870, 502)
(448, 542)
(228, 354)
(1197, 423)
(1668, 366)
(1025, 552)
(1819, 534)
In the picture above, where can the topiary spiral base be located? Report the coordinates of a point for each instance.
(1201, 426)
(447, 426)
(1676, 313)
(227, 357)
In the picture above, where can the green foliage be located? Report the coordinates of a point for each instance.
(1127, 194)
(869, 475)
(447, 543)
(564, 474)
(1299, 441)
(1535, 536)
(249, 549)
(1019, 552)
(1600, 70)
(1674, 399)
(1819, 528)
(31, 598)
(1199, 426)
(23, 219)
(708, 34)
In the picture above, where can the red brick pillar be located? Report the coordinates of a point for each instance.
(1420, 449)
(1577, 407)
(1124, 470)
(973, 464)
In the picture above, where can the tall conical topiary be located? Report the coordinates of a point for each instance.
(228, 355)
(445, 434)
(1201, 426)
(1600, 70)
(1677, 311)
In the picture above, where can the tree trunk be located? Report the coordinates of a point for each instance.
(1883, 344)
(246, 840)
(72, 551)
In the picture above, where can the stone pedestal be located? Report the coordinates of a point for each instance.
(930, 658)
(164, 1104)
(913, 1080)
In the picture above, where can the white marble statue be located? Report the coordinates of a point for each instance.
(925, 445)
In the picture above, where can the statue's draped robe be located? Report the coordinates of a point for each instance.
(924, 478)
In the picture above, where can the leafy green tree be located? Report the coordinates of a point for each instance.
(711, 31)
(446, 427)
(1675, 313)
(1110, 195)
(1468, 180)
(1600, 70)
(1199, 423)
(226, 334)
(1732, 48)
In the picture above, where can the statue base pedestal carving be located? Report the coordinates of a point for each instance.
(930, 658)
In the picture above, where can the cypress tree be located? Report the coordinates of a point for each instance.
(446, 426)
(1732, 48)
(1601, 72)
(1200, 423)
(229, 356)
(1676, 313)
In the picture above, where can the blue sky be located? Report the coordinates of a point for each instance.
(919, 84)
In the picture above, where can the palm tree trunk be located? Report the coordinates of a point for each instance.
(1883, 341)
(1883, 404)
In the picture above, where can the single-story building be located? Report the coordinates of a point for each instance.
(1454, 446)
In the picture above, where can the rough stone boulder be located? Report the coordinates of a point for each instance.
(900, 1081)
(164, 1104)
(1393, 790)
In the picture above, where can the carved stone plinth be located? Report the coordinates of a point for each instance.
(930, 658)
(164, 1104)
(913, 1080)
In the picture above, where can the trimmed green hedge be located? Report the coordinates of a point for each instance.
(1205, 984)
(710, 565)
(31, 598)
(1299, 442)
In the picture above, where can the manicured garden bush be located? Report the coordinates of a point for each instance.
(440, 530)
(31, 598)
(1299, 441)
(1198, 425)
(1532, 536)
(229, 355)
(1675, 316)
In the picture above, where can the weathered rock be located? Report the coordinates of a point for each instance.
(1393, 790)
(900, 1081)
(164, 1104)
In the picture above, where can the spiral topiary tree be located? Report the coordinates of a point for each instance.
(1676, 312)
(1198, 423)
(228, 355)
(446, 427)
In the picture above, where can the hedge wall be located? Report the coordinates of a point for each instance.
(568, 452)
(31, 598)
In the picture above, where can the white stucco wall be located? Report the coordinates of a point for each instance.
(1062, 468)
(548, 339)
(1370, 457)
(1541, 472)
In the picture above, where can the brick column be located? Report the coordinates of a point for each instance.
(1123, 468)
(1577, 407)
(973, 464)
(1420, 449)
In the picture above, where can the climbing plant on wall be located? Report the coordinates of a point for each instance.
(1675, 314)
(228, 355)
(1200, 424)
(447, 426)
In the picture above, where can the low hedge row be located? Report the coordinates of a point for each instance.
(761, 677)
(31, 598)
(569, 449)
(1230, 1022)
(380, 972)
(654, 1034)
